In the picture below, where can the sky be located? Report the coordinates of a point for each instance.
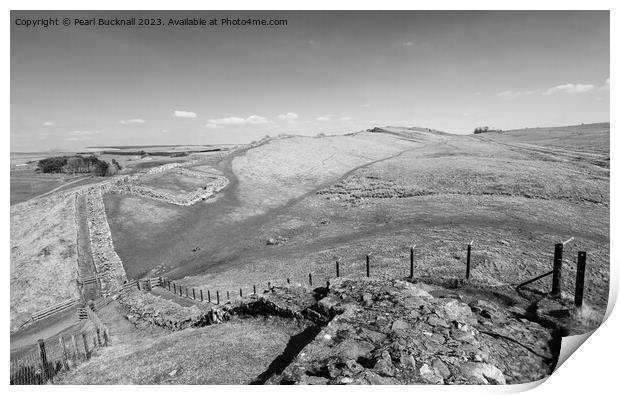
(324, 72)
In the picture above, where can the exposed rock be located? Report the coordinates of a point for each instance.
(408, 336)
(384, 366)
(429, 375)
(487, 374)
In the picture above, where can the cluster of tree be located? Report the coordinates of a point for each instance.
(78, 164)
(485, 129)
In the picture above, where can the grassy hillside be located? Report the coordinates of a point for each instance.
(43, 256)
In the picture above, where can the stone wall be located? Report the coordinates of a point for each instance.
(108, 263)
(143, 308)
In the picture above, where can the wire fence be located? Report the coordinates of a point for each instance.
(49, 357)
(313, 279)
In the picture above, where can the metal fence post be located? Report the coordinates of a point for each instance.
(556, 283)
(581, 274)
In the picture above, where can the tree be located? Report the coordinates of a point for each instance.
(116, 164)
(52, 165)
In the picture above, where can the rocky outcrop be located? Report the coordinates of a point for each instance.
(396, 332)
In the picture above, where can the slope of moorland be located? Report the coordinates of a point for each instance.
(440, 194)
(43, 256)
(294, 205)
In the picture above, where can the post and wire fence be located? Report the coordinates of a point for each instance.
(555, 291)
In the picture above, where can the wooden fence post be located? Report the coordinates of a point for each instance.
(65, 353)
(310, 278)
(209, 296)
(367, 265)
(288, 280)
(138, 284)
(105, 337)
(581, 274)
(43, 356)
(168, 285)
(556, 282)
(175, 288)
(411, 255)
(76, 354)
(468, 261)
(254, 289)
(194, 293)
(240, 293)
(227, 295)
(217, 294)
(86, 352)
(201, 298)
(98, 337)
(338, 267)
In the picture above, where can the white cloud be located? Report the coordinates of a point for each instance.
(164, 131)
(236, 121)
(346, 119)
(323, 119)
(133, 120)
(289, 116)
(256, 120)
(185, 114)
(508, 95)
(569, 88)
(82, 133)
(408, 44)
(48, 123)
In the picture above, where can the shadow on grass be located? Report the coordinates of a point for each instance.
(294, 347)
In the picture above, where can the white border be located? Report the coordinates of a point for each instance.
(592, 369)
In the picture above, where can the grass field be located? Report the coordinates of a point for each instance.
(235, 352)
(174, 183)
